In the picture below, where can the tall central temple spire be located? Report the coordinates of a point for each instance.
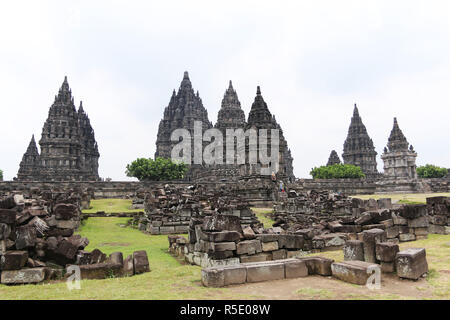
(230, 114)
(185, 107)
(358, 147)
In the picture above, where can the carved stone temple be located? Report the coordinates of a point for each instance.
(333, 159)
(399, 157)
(69, 151)
(358, 147)
(185, 107)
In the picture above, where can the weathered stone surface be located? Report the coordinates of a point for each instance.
(222, 236)
(97, 256)
(421, 222)
(25, 237)
(260, 257)
(116, 258)
(65, 211)
(295, 269)
(413, 211)
(249, 247)
(236, 274)
(264, 271)
(218, 222)
(13, 260)
(318, 265)
(67, 224)
(387, 267)
(386, 251)
(5, 231)
(356, 272)
(101, 270)
(213, 277)
(354, 250)
(290, 241)
(23, 276)
(249, 234)
(140, 261)
(370, 238)
(411, 263)
(407, 237)
(7, 216)
(128, 266)
(279, 254)
(392, 232)
(270, 246)
(399, 220)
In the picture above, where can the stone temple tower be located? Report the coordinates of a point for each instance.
(333, 159)
(30, 166)
(261, 118)
(358, 147)
(69, 151)
(399, 158)
(185, 107)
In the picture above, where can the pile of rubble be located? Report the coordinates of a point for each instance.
(168, 210)
(37, 241)
(439, 214)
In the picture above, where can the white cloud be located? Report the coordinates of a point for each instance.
(313, 60)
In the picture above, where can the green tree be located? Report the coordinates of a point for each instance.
(160, 169)
(337, 171)
(1, 175)
(431, 171)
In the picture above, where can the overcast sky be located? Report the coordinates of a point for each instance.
(312, 59)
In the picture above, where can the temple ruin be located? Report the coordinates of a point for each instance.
(69, 151)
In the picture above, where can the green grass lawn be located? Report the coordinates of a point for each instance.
(404, 197)
(263, 216)
(111, 206)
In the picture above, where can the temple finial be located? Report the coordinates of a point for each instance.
(186, 75)
(355, 111)
(258, 91)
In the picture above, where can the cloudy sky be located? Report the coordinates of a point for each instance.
(312, 59)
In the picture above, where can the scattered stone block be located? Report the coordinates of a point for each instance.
(65, 211)
(13, 260)
(279, 254)
(221, 236)
(7, 216)
(140, 261)
(354, 250)
(213, 277)
(420, 222)
(386, 251)
(128, 266)
(295, 269)
(23, 276)
(356, 272)
(100, 270)
(370, 238)
(260, 257)
(233, 275)
(290, 241)
(411, 263)
(249, 234)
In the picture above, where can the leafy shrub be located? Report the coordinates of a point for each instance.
(337, 171)
(431, 171)
(1, 175)
(160, 169)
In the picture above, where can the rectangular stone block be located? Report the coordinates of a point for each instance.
(354, 250)
(213, 277)
(435, 229)
(167, 230)
(270, 246)
(249, 247)
(236, 274)
(407, 237)
(13, 260)
(7, 216)
(421, 231)
(268, 271)
(279, 254)
(294, 254)
(140, 261)
(356, 272)
(411, 263)
(260, 257)
(102, 270)
(318, 265)
(290, 241)
(295, 269)
(24, 276)
(392, 232)
(223, 236)
(421, 222)
(399, 220)
(370, 238)
(386, 251)
(181, 229)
